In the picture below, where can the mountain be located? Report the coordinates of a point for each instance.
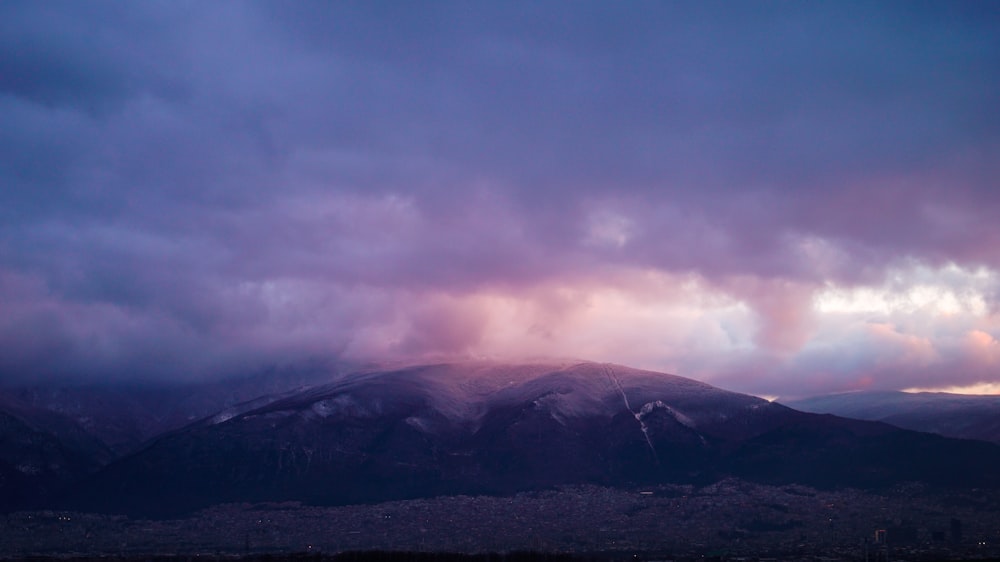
(951, 415)
(52, 436)
(492, 428)
(125, 417)
(41, 453)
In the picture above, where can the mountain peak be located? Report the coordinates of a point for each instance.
(490, 427)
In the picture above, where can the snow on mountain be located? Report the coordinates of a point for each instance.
(487, 427)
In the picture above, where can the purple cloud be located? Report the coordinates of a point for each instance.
(191, 190)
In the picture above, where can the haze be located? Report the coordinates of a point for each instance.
(777, 198)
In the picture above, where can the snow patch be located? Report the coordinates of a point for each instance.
(344, 405)
(325, 408)
(419, 423)
(680, 417)
(222, 417)
(637, 415)
(341, 404)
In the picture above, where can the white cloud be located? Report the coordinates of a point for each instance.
(945, 291)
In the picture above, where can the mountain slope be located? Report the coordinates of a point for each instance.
(951, 415)
(486, 428)
(124, 417)
(40, 454)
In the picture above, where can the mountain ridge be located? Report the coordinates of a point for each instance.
(951, 415)
(496, 428)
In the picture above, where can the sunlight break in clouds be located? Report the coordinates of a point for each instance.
(981, 388)
(866, 337)
(949, 290)
(650, 319)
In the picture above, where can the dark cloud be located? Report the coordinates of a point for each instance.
(242, 183)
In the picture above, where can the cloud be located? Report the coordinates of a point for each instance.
(920, 327)
(739, 193)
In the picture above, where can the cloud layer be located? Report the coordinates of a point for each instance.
(779, 198)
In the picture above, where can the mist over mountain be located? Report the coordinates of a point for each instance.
(494, 428)
(951, 415)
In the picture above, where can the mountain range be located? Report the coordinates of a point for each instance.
(473, 428)
(952, 415)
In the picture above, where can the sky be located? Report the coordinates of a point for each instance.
(782, 198)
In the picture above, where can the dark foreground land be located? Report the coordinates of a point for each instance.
(353, 556)
(727, 520)
(404, 556)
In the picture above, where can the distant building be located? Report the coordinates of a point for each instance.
(881, 551)
(956, 530)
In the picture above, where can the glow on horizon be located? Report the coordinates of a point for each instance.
(981, 389)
